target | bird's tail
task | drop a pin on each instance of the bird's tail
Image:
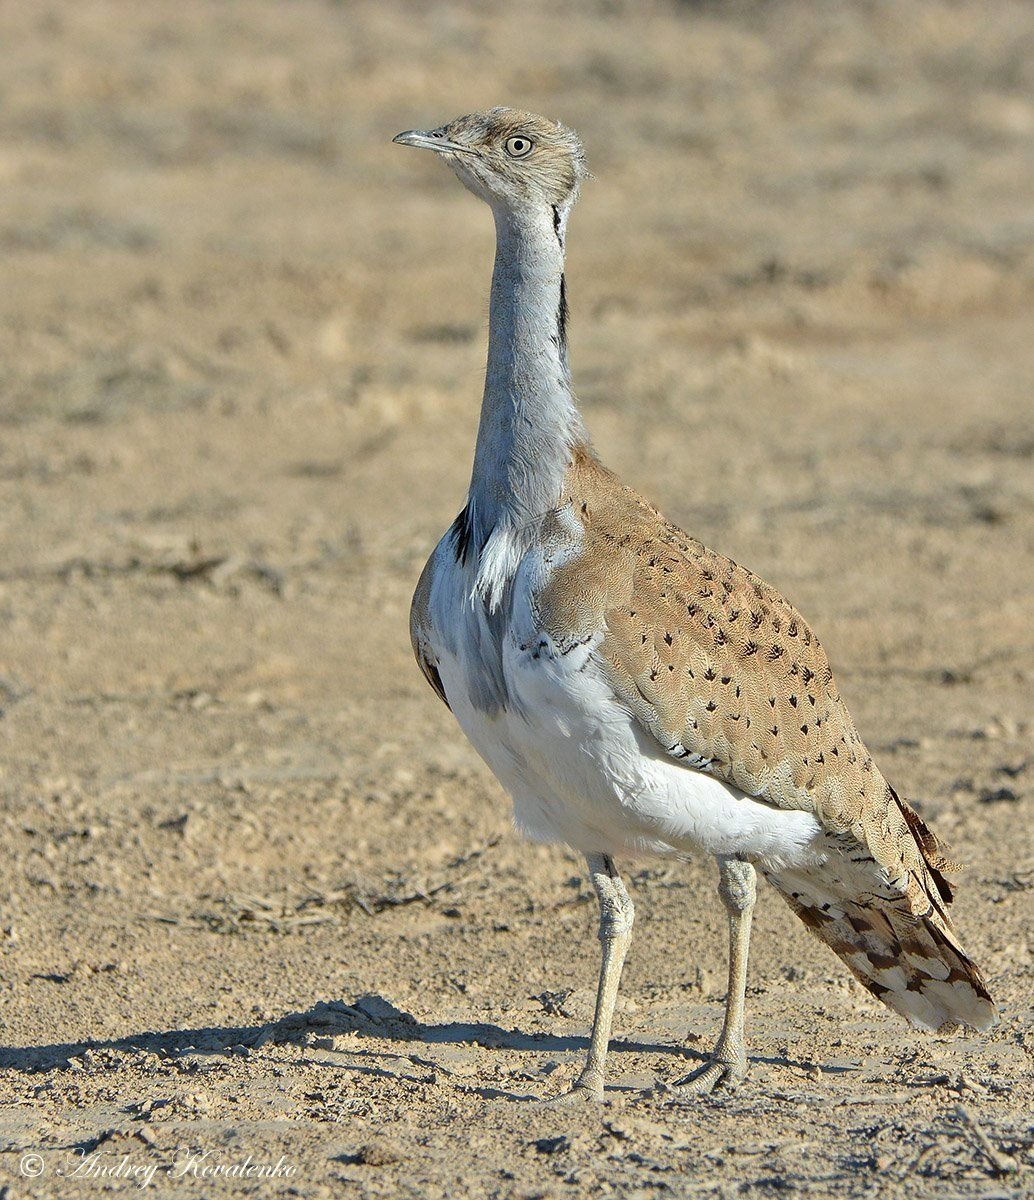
(897, 940)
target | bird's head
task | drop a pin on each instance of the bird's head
(508, 157)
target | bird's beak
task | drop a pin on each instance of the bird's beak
(430, 139)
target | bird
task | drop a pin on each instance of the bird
(637, 693)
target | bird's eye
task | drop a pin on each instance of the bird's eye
(518, 147)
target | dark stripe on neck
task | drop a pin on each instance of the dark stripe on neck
(556, 225)
(463, 534)
(561, 315)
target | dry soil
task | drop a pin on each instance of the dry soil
(259, 898)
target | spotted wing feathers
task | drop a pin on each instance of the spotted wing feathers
(712, 660)
(727, 676)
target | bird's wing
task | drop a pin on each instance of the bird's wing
(725, 674)
(720, 669)
(727, 677)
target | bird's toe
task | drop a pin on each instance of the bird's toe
(712, 1076)
(581, 1092)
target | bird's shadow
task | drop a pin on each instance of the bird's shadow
(369, 1016)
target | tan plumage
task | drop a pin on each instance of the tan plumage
(722, 670)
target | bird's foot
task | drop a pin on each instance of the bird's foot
(584, 1090)
(727, 1073)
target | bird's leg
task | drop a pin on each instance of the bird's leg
(737, 887)
(616, 915)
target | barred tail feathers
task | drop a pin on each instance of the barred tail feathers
(913, 963)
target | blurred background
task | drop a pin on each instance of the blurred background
(241, 353)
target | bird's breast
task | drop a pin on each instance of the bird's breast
(537, 706)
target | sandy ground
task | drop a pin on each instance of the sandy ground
(259, 897)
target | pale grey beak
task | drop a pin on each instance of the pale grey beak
(430, 139)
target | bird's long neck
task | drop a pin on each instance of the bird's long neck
(529, 421)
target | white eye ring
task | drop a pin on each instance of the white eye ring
(519, 146)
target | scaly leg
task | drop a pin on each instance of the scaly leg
(616, 915)
(738, 889)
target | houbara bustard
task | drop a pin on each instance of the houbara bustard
(637, 693)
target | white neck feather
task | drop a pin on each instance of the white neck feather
(529, 421)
